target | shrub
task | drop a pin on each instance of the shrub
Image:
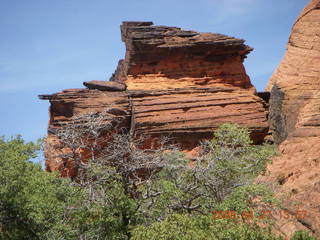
(241, 199)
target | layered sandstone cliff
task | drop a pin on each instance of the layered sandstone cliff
(295, 121)
(176, 83)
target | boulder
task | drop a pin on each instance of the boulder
(105, 86)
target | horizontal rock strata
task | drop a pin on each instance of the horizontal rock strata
(196, 113)
(180, 84)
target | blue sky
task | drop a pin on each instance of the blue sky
(47, 46)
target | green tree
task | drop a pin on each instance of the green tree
(35, 204)
(31, 200)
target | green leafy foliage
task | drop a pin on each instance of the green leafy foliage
(31, 200)
(192, 227)
(241, 199)
(197, 226)
(105, 210)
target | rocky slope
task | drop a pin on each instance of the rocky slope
(175, 82)
(295, 121)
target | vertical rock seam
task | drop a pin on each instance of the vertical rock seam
(276, 119)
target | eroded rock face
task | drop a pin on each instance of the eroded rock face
(295, 121)
(181, 84)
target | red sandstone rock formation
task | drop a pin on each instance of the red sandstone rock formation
(183, 82)
(295, 121)
(179, 83)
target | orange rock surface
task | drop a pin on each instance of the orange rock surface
(294, 175)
